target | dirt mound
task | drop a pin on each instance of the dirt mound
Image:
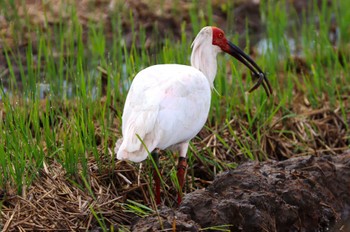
(300, 194)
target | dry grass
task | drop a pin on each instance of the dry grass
(56, 202)
(53, 202)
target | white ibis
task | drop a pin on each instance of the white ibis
(168, 104)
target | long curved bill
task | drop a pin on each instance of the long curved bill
(249, 62)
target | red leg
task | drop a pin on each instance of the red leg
(156, 177)
(181, 169)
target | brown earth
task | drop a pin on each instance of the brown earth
(300, 194)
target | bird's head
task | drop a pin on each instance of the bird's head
(219, 39)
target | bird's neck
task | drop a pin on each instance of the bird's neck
(204, 59)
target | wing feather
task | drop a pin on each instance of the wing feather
(163, 107)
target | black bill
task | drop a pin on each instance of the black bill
(256, 71)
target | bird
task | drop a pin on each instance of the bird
(168, 104)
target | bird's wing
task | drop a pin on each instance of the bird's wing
(183, 110)
(140, 112)
(161, 107)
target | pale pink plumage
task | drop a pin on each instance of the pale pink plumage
(168, 104)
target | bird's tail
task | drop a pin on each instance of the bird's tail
(123, 153)
(136, 135)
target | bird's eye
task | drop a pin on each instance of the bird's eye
(220, 35)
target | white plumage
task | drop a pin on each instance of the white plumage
(168, 104)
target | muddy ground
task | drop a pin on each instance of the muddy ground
(300, 194)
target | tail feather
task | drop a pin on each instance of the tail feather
(138, 127)
(129, 151)
(124, 154)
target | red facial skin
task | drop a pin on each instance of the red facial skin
(220, 40)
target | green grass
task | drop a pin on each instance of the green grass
(65, 126)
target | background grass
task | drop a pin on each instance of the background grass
(56, 107)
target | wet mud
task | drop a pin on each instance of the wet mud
(300, 194)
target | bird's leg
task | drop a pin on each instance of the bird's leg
(181, 169)
(156, 175)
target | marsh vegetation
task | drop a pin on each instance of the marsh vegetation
(65, 68)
